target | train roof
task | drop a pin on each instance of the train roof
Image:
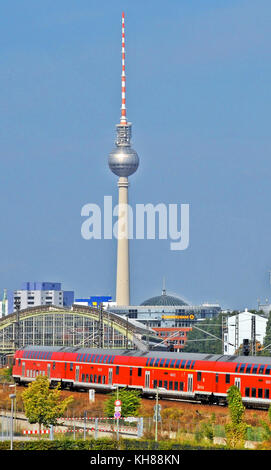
(153, 353)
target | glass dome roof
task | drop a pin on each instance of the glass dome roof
(164, 299)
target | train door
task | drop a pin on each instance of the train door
(110, 376)
(77, 370)
(237, 382)
(23, 369)
(147, 379)
(190, 383)
(48, 371)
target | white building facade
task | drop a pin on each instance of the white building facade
(240, 327)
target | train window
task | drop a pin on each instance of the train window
(19, 362)
(99, 379)
(160, 383)
(101, 358)
(111, 360)
(103, 379)
(117, 370)
(165, 384)
(156, 362)
(248, 369)
(260, 392)
(236, 368)
(192, 365)
(254, 370)
(91, 378)
(54, 365)
(242, 368)
(266, 393)
(253, 392)
(188, 364)
(183, 364)
(95, 378)
(139, 371)
(181, 386)
(155, 384)
(151, 362)
(105, 359)
(261, 368)
(216, 378)
(199, 376)
(247, 391)
(162, 362)
(71, 365)
(167, 363)
(83, 377)
(175, 385)
(147, 362)
(177, 363)
(267, 370)
(227, 378)
(170, 385)
(131, 371)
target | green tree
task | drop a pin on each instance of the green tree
(199, 341)
(267, 338)
(236, 429)
(130, 403)
(42, 405)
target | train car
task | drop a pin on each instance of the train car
(199, 377)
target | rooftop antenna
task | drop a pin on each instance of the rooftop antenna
(164, 286)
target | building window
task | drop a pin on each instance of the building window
(247, 391)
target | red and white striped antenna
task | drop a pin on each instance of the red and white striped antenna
(123, 119)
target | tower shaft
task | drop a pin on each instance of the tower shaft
(123, 265)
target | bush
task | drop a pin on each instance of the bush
(103, 444)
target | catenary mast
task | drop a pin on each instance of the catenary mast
(123, 161)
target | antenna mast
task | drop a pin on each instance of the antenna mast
(123, 119)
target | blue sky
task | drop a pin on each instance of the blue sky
(198, 94)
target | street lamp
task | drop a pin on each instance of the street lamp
(12, 396)
(15, 403)
(157, 410)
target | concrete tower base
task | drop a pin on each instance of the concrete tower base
(123, 268)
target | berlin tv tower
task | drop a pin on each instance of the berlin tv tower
(123, 161)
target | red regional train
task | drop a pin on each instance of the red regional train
(201, 377)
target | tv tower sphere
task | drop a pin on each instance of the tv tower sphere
(123, 160)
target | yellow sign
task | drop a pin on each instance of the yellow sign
(179, 317)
